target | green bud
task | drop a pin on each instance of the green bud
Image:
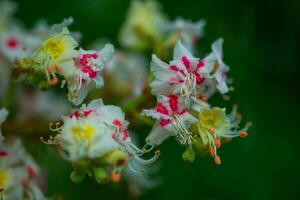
(188, 155)
(101, 175)
(77, 176)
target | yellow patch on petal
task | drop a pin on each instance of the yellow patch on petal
(211, 118)
(54, 46)
(84, 132)
(3, 178)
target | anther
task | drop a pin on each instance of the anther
(115, 177)
(157, 152)
(53, 81)
(243, 133)
(218, 160)
(211, 152)
(212, 130)
(217, 142)
(203, 98)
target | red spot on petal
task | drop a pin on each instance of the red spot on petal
(12, 43)
(31, 172)
(118, 123)
(200, 64)
(84, 60)
(176, 69)
(86, 113)
(173, 103)
(164, 122)
(199, 78)
(88, 70)
(161, 109)
(186, 62)
(114, 135)
(75, 114)
(182, 112)
(126, 135)
(3, 153)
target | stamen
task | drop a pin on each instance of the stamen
(115, 177)
(243, 133)
(203, 98)
(53, 81)
(218, 160)
(211, 152)
(212, 130)
(217, 143)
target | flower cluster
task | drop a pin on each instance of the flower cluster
(183, 87)
(96, 138)
(57, 56)
(147, 27)
(20, 176)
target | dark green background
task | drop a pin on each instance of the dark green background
(261, 43)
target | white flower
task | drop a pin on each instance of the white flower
(87, 74)
(54, 55)
(172, 120)
(16, 44)
(182, 76)
(142, 25)
(187, 31)
(214, 126)
(3, 116)
(93, 131)
(19, 174)
(216, 69)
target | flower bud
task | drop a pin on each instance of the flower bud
(188, 155)
(77, 176)
(100, 175)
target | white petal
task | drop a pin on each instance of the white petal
(161, 88)
(217, 48)
(180, 51)
(95, 104)
(107, 52)
(160, 69)
(158, 135)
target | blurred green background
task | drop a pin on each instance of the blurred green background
(261, 43)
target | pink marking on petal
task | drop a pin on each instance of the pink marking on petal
(31, 172)
(88, 70)
(164, 122)
(182, 112)
(12, 43)
(126, 135)
(186, 62)
(199, 79)
(3, 153)
(173, 103)
(160, 108)
(176, 69)
(200, 64)
(84, 60)
(114, 135)
(75, 114)
(86, 113)
(118, 123)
